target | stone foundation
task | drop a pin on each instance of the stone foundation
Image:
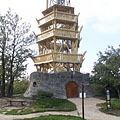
(56, 83)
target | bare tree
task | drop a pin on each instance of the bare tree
(15, 49)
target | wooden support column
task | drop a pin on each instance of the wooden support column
(54, 67)
(39, 48)
(42, 48)
(46, 4)
(54, 24)
(40, 68)
(54, 43)
(37, 67)
(73, 46)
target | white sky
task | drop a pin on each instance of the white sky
(101, 20)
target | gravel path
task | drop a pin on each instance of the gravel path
(91, 111)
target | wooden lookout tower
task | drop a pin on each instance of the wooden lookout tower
(59, 39)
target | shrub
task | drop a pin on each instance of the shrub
(99, 90)
(21, 86)
(42, 93)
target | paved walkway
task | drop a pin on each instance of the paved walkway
(91, 111)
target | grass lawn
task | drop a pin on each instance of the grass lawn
(18, 96)
(54, 117)
(114, 110)
(45, 104)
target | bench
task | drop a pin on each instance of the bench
(22, 102)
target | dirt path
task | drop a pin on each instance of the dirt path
(91, 111)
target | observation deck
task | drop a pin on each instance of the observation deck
(61, 17)
(58, 57)
(58, 33)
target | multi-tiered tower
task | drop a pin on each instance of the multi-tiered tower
(59, 39)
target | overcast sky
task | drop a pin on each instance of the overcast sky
(100, 18)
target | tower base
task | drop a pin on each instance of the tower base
(61, 84)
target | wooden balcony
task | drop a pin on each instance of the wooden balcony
(60, 16)
(58, 33)
(58, 57)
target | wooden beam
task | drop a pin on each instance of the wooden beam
(54, 67)
(54, 43)
(46, 4)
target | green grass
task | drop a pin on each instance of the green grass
(54, 117)
(18, 96)
(1, 112)
(116, 104)
(114, 110)
(45, 104)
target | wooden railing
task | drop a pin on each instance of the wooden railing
(65, 16)
(64, 33)
(45, 35)
(43, 58)
(46, 19)
(57, 15)
(58, 57)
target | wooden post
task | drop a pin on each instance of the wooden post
(46, 4)
(54, 44)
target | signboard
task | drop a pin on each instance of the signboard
(108, 99)
(108, 95)
(80, 95)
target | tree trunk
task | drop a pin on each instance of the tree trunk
(3, 75)
(118, 91)
(3, 86)
(10, 89)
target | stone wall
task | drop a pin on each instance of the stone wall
(56, 83)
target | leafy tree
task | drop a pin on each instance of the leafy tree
(14, 49)
(106, 70)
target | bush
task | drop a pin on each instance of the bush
(99, 90)
(20, 86)
(42, 93)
